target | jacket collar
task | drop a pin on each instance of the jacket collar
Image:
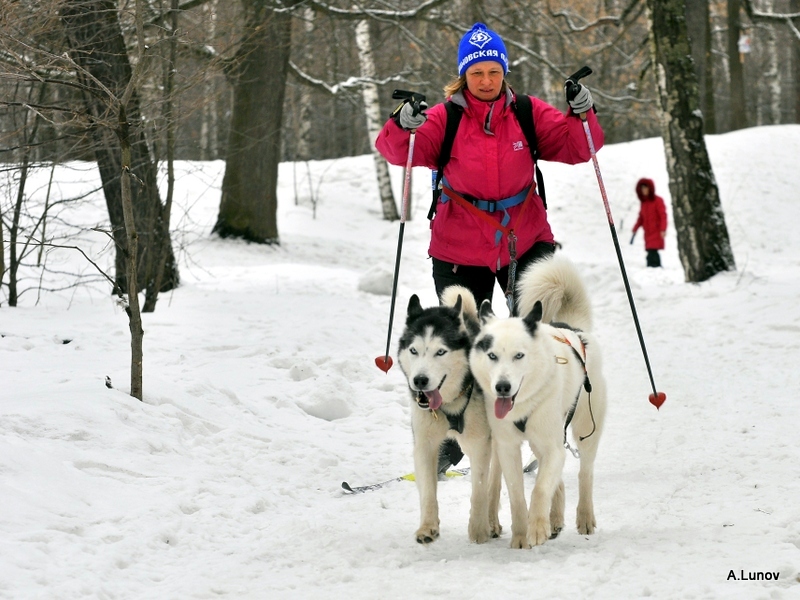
(466, 100)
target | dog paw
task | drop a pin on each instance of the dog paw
(586, 523)
(519, 542)
(539, 532)
(556, 531)
(479, 536)
(479, 530)
(496, 529)
(426, 535)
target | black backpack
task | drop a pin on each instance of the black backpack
(522, 110)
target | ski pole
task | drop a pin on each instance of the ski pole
(656, 398)
(384, 363)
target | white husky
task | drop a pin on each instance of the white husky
(434, 355)
(540, 373)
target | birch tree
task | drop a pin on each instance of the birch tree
(372, 110)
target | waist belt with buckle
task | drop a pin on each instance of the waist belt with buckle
(483, 208)
(489, 206)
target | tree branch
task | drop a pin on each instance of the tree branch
(360, 13)
(345, 86)
(787, 18)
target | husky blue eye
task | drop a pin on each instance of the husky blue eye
(441, 352)
(492, 356)
(412, 351)
(518, 356)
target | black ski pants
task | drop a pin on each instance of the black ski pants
(480, 280)
(653, 258)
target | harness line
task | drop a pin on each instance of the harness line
(586, 385)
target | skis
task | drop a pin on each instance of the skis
(408, 477)
(529, 468)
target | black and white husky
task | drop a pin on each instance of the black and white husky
(434, 356)
(539, 373)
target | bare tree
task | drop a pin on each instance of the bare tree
(372, 108)
(97, 48)
(735, 67)
(698, 24)
(248, 208)
(703, 243)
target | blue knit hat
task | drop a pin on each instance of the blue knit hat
(480, 44)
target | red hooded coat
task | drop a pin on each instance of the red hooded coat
(652, 216)
(490, 160)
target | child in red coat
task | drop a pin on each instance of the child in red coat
(653, 218)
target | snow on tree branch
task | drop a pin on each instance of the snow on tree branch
(350, 84)
(360, 13)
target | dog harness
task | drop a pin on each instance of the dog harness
(587, 385)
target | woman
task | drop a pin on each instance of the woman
(490, 161)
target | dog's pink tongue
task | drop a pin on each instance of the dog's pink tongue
(503, 406)
(434, 399)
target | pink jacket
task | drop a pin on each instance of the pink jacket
(652, 216)
(491, 163)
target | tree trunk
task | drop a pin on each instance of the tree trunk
(2, 249)
(703, 243)
(306, 110)
(169, 124)
(698, 23)
(208, 126)
(96, 45)
(372, 108)
(795, 9)
(736, 67)
(249, 204)
(769, 88)
(134, 314)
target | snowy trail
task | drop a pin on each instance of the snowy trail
(261, 397)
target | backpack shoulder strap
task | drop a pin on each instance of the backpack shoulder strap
(523, 109)
(454, 113)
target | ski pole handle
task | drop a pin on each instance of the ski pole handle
(415, 98)
(572, 83)
(584, 71)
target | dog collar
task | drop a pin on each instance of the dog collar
(457, 421)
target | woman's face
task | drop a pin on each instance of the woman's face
(484, 80)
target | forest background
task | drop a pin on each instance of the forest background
(134, 85)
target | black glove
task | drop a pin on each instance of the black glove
(578, 97)
(411, 114)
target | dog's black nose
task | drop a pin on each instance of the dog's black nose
(421, 382)
(503, 388)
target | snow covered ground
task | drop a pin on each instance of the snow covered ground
(261, 397)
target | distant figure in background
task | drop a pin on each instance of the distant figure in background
(653, 219)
